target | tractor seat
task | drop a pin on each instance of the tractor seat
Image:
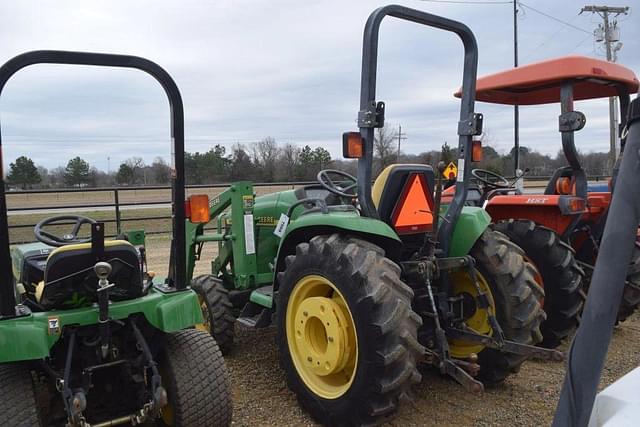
(69, 279)
(403, 195)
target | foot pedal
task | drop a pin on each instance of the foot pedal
(255, 316)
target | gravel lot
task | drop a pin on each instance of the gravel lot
(528, 398)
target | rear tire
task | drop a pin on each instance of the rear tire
(516, 297)
(385, 329)
(631, 296)
(197, 382)
(217, 310)
(562, 277)
(18, 399)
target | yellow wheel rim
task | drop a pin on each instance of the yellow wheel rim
(322, 337)
(206, 324)
(475, 317)
(167, 415)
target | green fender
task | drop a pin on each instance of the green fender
(30, 337)
(471, 224)
(304, 227)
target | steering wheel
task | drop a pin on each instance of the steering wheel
(490, 179)
(71, 238)
(349, 191)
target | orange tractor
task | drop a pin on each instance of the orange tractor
(559, 229)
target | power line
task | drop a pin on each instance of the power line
(608, 33)
(554, 18)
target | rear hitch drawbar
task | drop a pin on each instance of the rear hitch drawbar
(506, 346)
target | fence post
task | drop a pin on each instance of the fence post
(116, 202)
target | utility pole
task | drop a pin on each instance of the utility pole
(401, 136)
(608, 33)
(516, 110)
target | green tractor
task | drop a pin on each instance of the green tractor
(364, 284)
(88, 337)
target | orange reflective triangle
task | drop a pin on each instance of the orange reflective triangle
(413, 212)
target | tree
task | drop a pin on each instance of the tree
(23, 173)
(136, 164)
(384, 147)
(160, 171)
(76, 172)
(447, 155)
(265, 155)
(322, 158)
(204, 168)
(241, 165)
(289, 162)
(125, 174)
(312, 161)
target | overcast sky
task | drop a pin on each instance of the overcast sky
(288, 69)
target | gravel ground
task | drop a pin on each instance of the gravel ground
(529, 398)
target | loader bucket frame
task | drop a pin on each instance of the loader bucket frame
(470, 123)
(177, 266)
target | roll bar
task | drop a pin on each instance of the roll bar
(470, 123)
(177, 268)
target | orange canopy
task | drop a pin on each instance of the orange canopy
(539, 83)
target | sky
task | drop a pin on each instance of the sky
(288, 69)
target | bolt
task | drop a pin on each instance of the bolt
(330, 339)
(309, 359)
(304, 313)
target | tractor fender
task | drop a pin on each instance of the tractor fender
(31, 337)
(305, 227)
(473, 221)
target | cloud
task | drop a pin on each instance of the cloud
(280, 68)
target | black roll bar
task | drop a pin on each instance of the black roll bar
(178, 266)
(467, 127)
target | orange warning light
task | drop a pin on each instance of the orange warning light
(198, 208)
(414, 211)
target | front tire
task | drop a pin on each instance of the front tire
(18, 401)
(369, 361)
(217, 310)
(197, 381)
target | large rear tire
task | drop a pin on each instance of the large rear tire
(18, 399)
(561, 276)
(217, 310)
(197, 382)
(631, 295)
(371, 358)
(513, 296)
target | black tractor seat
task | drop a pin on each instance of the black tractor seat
(388, 188)
(69, 279)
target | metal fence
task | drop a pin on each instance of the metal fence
(114, 200)
(117, 199)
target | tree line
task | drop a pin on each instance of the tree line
(268, 161)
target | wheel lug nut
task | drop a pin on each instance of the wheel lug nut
(330, 339)
(304, 313)
(309, 359)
